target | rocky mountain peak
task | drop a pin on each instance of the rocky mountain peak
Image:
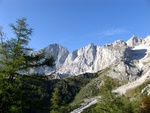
(119, 42)
(147, 39)
(134, 41)
(59, 52)
(92, 58)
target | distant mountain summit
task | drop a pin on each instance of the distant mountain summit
(135, 41)
(123, 59)
(59, 52)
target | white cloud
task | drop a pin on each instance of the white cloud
(113, 31)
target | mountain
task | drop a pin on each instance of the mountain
(60, 54)
(92, 58)
(135, 41)
(95, 73)
(141, 58)
(123, 58)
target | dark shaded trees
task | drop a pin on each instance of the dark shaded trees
(19, 93)
(112, 102)
(55, 100)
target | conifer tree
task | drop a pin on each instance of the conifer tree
(13, 52)
(55, 100)
(19, 95)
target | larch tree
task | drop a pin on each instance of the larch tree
(13, 52)
(20, 93)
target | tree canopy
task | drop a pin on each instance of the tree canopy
(14, 55)
(18, 92)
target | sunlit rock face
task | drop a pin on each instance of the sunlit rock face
(122, 57)
(92, 58)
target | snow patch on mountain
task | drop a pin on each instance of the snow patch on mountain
(141, 53)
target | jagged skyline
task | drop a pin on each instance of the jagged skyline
(76, 23)
(93, 58)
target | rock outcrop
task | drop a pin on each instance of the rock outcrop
(122, 57)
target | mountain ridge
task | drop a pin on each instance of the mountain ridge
(93, 58)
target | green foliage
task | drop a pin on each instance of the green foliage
(25, 95)
(13, 56)
(65, 90)
(7, 98)
(109, 84)
(136, 92)
(31, 94)
(119, 104)
(93, 88)
(141, 87)
(19, 93)
(55, 99)
(113, 103)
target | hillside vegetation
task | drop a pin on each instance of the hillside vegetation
(25, 92)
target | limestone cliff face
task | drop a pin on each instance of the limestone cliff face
(60, 54)
(135, 41)
(93, 58)
(122, 57)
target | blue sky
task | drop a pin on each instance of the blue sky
(76, 23)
